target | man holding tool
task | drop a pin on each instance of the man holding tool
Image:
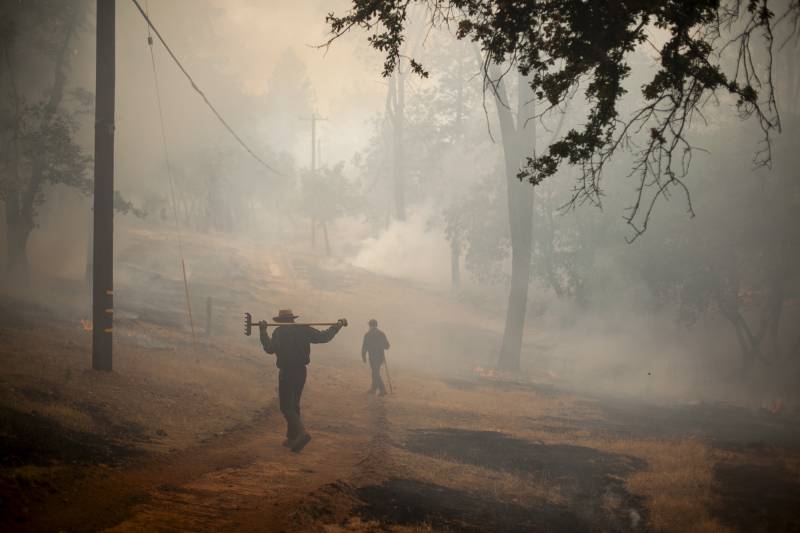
(375, 342)
(291, 343)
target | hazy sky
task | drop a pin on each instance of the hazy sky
(239, 42)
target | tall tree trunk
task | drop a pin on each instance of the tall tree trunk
(17, 266)
(518, 143)
(398, 173)
(455, 243)
(327, 242)
(455, 263)
(16, 239)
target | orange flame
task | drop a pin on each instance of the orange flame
(486, 372)
(775, 406)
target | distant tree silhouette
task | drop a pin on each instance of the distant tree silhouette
(38, 136)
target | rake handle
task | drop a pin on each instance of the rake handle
(248, 323)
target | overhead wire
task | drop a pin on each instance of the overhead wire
(171, 180)
(201, 93)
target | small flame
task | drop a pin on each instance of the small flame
(490, 373)
(86, 325)
(775, 406)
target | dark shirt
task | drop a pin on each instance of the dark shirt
(375, 342)
(292, 344)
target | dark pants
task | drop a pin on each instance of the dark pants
(377, 383)
(290, 388)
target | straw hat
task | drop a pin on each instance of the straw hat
(285, 315)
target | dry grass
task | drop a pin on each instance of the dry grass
(677, 483)
(163, 391)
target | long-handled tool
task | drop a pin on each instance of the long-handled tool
(388, 377)
(248, 323)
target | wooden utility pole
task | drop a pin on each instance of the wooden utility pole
(103, 248)
(314, 146)
(314, 119)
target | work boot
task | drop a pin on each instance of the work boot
(300, 442)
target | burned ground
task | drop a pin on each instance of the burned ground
(33, 439)
(757, 498)
(592, 482)
(411, 502)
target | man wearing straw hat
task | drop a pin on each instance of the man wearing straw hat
(293, 350)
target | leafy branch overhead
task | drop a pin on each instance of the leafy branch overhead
(565, 46)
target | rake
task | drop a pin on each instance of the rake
(248, 323)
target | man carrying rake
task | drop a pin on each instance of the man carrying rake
(291, 344)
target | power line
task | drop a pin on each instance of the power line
(171, 187)
(201, 93)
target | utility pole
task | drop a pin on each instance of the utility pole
(314, 119)
(103, 247)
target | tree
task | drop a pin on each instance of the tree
(743, 263)
(449, 107)
(40, 134)
(567, 46)
(519, 137)
(478, 222)
(326, 195)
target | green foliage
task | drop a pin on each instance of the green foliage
(40, 134)
(567, 46)
(124, 207)
(51, 146)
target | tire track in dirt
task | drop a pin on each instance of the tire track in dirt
(375, 465)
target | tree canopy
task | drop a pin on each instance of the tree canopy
(565, 47)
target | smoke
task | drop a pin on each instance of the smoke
(604, 333)
(412, 250)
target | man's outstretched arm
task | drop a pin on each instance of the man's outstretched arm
(316, 336)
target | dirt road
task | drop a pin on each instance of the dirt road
(243, 480)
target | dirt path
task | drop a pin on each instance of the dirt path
(243, 480)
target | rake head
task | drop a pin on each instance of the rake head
(248, 324)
